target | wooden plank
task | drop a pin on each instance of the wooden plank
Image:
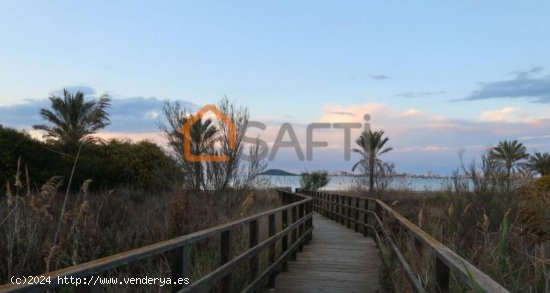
(256, 283)
(447, 259)
(179, 265)
(336, 260)
(284, 224)
(253, 241)
(229, 266)
(271, 228)
(225, 256)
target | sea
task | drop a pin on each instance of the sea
(350, 182)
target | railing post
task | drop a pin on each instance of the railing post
(179, 265)
(325, 205)
(371, 220)
(253, 241)
(322, 204)
(349, 211)
(356, 226)
(301, 227)
(328, 206)
(309, 222)
(313, 195)
(337, 212)
(441, 274)
(317, 202)
(271, 221)
(281, 195)
(284, 225)
(332, 207)
(225, 256)
(366, 217)
(342, 209)
(339, 208)
(294, 216)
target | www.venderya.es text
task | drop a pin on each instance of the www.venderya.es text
(99, 280)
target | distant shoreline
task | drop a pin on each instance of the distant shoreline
(279, 172)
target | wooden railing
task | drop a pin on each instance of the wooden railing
(295, 230)
(398, 237)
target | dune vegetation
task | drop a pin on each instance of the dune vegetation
(494, 213)
(72, 197)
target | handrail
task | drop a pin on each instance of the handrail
(372, 217)
(296, 222)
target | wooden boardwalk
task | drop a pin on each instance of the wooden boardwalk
(336, 260)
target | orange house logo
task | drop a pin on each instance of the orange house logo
(186, 131)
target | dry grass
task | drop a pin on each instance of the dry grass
(98, 225)
(505, 234)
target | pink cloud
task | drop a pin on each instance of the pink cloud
(155, 137)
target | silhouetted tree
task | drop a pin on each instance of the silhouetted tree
(510, 154)
(371, 147)
(540, 163)
(71, 120)
(203, 135)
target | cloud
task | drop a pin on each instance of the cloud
(127, 114)
(506, 114)
(526, 85)
(23, 115)
(527, 73)
(417, 134)
(86, 90)
(538, 137)
(156, 137)
(342, 113)
(427, 148)
(420, 94)
(138, 114)
(379, 76)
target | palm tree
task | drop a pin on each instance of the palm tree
(203, 135)
(72, 120)
(371, 147)
(540, 162)
(510, 154)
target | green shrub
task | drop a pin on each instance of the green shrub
(314, 180)
(16, 145)
(138, 166)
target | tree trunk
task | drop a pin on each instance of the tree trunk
(371, 175)
(198, 176)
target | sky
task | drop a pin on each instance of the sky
(437, 76)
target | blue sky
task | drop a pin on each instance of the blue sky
(480, 69)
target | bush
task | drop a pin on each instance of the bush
(17, 146)
(542, 184)
(138, 166)
(314, 180)
(533, 213)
